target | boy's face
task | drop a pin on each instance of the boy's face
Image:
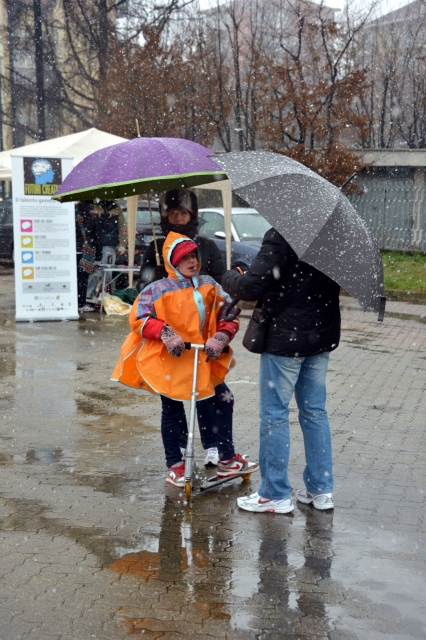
(188, 266)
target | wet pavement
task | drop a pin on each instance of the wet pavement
(94, 544)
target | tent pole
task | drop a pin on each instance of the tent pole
(227, 211)
(157, 255)
(132, 212)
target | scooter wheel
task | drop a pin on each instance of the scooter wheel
(246, 477)
(188, 490)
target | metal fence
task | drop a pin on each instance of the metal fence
(393, 205)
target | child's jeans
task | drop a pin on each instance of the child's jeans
(214, 420)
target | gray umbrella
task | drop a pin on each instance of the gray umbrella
(315, 218)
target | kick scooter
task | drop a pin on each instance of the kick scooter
(206, 483)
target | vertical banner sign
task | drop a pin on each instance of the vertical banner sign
(44, 241)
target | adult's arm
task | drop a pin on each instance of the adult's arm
(274, 257)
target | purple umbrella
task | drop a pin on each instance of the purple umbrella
(138, 166)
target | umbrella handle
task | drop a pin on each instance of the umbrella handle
(231, 315)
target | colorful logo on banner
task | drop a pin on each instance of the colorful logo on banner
(27, 273)
(42, 176)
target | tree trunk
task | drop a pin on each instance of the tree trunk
(38, 48)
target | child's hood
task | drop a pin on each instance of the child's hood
(170, 243)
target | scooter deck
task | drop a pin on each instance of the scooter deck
(209, 483)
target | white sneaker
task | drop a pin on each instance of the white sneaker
(212, 457)
(261, 505)
(321, 501)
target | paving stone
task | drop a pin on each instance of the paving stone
(93, 543)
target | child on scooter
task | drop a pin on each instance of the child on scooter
(184, 307)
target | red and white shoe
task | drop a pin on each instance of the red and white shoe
(176, 475)
(236, 466)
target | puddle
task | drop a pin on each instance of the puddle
(126, 486)
(6, 459)
(44, 456)
(7, 360)
(92, 402)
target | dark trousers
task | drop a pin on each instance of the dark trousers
(214, 420)
(82, 278)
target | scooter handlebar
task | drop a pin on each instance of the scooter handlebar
(190, 345)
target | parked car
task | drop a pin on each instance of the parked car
(143, 224)
(248, 228)
(6, 230)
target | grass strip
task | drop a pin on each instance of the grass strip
(404, 272)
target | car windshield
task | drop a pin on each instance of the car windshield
(250, 226)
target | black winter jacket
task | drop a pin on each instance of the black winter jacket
(211, 262)
(302, 302)
(89, 225)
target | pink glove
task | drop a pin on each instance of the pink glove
(173, 343)
(216, 344)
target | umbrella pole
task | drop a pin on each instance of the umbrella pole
(157, 255)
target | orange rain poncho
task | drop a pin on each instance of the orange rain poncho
(193, 308)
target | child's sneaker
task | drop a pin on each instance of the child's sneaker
(236, 466)
(87, 308)
(212, 457)
(262, 505)
(176, 475)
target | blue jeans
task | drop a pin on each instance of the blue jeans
(214, 415)
(280, 377)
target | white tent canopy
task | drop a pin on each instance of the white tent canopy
(82, 144)
(76, 145)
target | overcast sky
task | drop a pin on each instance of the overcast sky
(386, 5)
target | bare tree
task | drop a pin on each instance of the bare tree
(391, 48)
(79, 40)
(310, 109)
(213, 64)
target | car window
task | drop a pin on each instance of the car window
(210, 223)
(145, 219)
(250, 225)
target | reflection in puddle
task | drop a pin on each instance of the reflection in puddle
(46, 456)
(144, 564)
(182, 563)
